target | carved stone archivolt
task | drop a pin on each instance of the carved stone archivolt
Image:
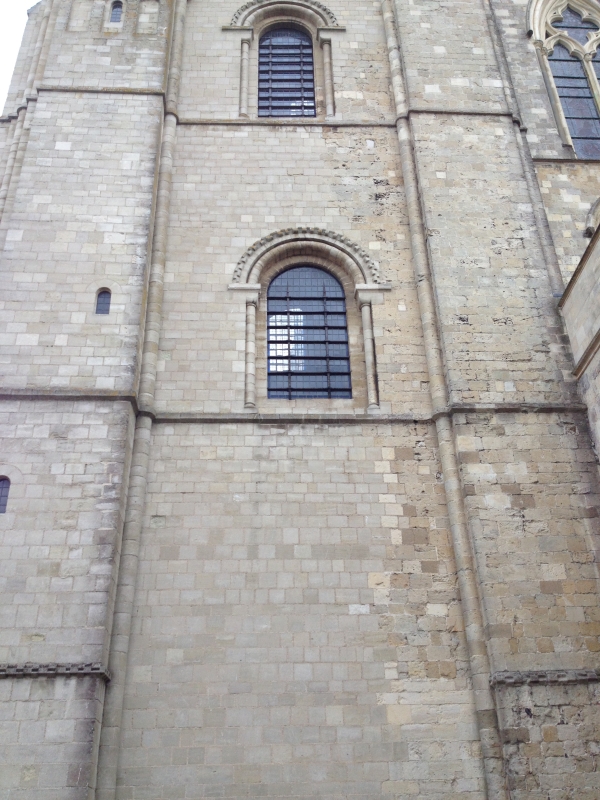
(368, 268)
(242, 14)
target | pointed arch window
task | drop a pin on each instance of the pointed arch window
(577, 100)
(308, 351)
(571, 68)
(4, 492)
(286, 80)
(575, 26)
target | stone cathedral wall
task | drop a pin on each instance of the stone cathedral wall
(80, 222)
(568, 189)
(298, 629)
(346, 181)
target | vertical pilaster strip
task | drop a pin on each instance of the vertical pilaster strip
(110, 740)
(47, 41)
(328, 69)
(15, 172)
(470, 602)
(47, 8)
(25, 113)
(158, 263)
(12, 157)
(6, 150)
(244, 77)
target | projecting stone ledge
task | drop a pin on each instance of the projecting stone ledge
(53, 670)
(560, 676)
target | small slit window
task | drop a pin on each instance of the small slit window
(308, 351)
(103, 302)
(116, 12)
(286, 79)
(4, 491)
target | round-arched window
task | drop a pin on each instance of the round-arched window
(103, 302)
(116, 12)
(4, 492)
(308, 355)
(286, 74)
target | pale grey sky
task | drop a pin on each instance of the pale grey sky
(14, 17)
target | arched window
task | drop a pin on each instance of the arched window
(116, 12)
(307, 336)
(286, 80)
(574, 25)
(103, 302)
(4, 490)
(575, 78)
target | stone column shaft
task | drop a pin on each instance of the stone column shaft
(110, 741)
(470, 601)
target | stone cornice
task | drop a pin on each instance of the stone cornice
(54, 671)
(164, 416)
(544, 677)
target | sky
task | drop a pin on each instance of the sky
(14, 18)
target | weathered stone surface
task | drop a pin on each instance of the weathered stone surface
(297, 625)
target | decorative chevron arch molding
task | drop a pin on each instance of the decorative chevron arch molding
(365, 269)
(242, 14)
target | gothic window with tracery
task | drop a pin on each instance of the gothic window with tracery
(4, 491)
(575, 26)
(286, 79)
(574, 83)
(578, 102)
(308, 355)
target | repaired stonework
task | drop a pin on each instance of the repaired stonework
(390, 596)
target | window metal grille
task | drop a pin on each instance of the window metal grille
(4, 490)
(574, 25)
(103, 302)
(116, 12)
(579, 106)
(308, 351)
(286, 75)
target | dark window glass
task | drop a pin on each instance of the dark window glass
(577, 101)
(307, 336)
(574, 25)
(4, 490)
(103, 302)
(286, 76)
(116, 12)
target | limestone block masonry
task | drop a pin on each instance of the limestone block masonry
(207, 593)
